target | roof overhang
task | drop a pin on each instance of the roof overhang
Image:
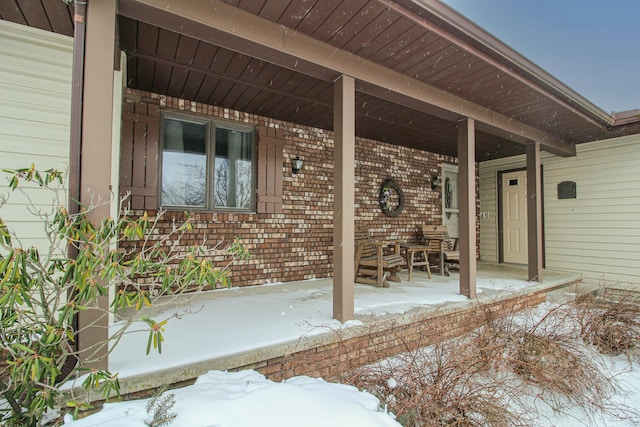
(419, 67)
(227, 26)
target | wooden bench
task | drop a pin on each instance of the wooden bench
(375, 259)
(437, 239)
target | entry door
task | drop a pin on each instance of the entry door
(450, 207)
(514, 216)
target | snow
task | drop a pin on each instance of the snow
(627, 394)
(227, 322)
(248, 399)
(242, 319)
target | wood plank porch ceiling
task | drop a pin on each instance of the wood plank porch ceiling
(165, 62)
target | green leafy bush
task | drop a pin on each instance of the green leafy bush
(43, 293)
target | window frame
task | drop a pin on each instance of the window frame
(211, 123)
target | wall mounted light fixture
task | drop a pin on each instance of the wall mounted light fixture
(296, 164)
(435, 181)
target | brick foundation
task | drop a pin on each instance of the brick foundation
(380, 341)
(343, 350)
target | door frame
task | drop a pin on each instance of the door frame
(452, 168)
(501, 207)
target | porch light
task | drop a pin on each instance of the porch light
(296, 164)
(435, 181)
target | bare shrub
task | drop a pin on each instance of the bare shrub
(445, 384)
(489, 340)
(542, 348)
(558, 368)
(611, 322)
(499, 374)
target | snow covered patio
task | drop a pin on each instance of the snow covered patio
(252, 327)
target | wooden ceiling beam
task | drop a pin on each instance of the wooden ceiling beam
(224, 77)
(227, 26)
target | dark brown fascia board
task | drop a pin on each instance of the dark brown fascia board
(460, 30)
(223, 25)
(626, 117)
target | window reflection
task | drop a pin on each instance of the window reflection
(204, 169)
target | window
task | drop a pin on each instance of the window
(207, 164)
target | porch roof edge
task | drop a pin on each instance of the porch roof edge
(246, 33)
(501, 52)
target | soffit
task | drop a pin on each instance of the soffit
(48, 15)
(378, 30)
(165, 62)
(407, 37)
(382, 34)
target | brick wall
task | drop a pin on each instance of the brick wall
(297, 243)
(376, 343)
(412, 170)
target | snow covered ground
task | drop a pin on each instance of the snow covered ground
(237, 320)
(247, 399)
(229, 322)
(233, 321)
(627, 393)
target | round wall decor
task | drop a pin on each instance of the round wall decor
(391, 198)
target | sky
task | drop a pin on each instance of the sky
(592, 46)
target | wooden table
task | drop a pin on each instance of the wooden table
(410, 252)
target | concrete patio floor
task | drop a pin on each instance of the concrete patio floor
(233, 328)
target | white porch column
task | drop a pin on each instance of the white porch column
(467, 201)
(95, 164)
(344, 195)
(534, 212)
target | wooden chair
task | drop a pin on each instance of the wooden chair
(375, 259)
(442, 247)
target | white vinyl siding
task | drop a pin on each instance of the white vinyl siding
(488, 175)
(35, 101)
(596, 234)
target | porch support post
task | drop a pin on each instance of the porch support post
(95, 160)
(534, 212)
(467, 203)
(343, 204)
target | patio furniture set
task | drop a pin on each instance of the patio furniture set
(379, 261)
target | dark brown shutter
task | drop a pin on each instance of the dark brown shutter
(269, 192)
(139, 154)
